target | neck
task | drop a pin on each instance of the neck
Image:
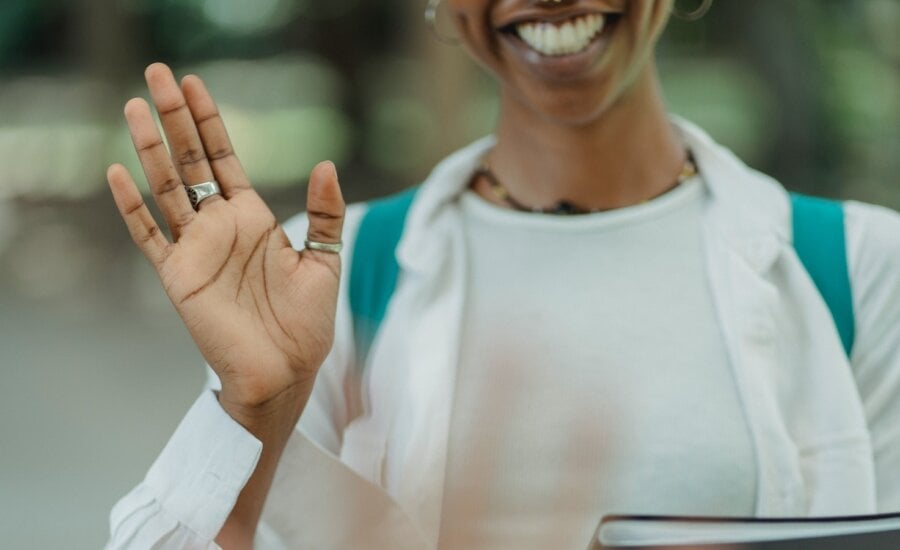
(628, 155)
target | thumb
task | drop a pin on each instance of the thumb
(325, 205)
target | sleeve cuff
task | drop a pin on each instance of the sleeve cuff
(204, 467)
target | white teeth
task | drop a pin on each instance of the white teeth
(568, 38)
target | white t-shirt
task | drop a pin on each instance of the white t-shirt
(610, 391)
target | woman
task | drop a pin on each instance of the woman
(665, 351)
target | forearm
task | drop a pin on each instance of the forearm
(272, 423)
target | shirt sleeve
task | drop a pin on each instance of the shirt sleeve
(192, 487)
(873, 235)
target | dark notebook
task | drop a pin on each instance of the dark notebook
(875, 532)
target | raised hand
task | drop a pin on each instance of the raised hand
(261, 312)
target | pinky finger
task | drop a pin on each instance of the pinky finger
(143, 228)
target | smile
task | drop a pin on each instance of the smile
(561, 36)
(560, 47)
(565, 38)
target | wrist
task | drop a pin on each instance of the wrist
(271, 417)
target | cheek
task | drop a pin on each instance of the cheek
(647, 20)
(470, 20)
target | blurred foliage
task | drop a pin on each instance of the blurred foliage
(807, 90)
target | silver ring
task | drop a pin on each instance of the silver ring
(324, 247)
(202, 191)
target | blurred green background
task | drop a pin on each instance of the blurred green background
(96, 370)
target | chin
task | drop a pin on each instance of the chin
(573, 106)
(574, 115)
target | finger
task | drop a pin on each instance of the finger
(143, 228)
(225, 164)
(188, 152)
(165, 183)
(325, 205)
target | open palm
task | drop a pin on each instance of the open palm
(261, 312)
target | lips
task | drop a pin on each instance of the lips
(557, 32)
(558, 44)
(565, 38)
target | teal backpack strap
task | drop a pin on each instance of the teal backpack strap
(820, 241)
(374, 269)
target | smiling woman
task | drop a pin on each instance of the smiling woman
(595, 310)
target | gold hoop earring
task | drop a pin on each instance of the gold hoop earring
(431, 17)
(698, 13)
